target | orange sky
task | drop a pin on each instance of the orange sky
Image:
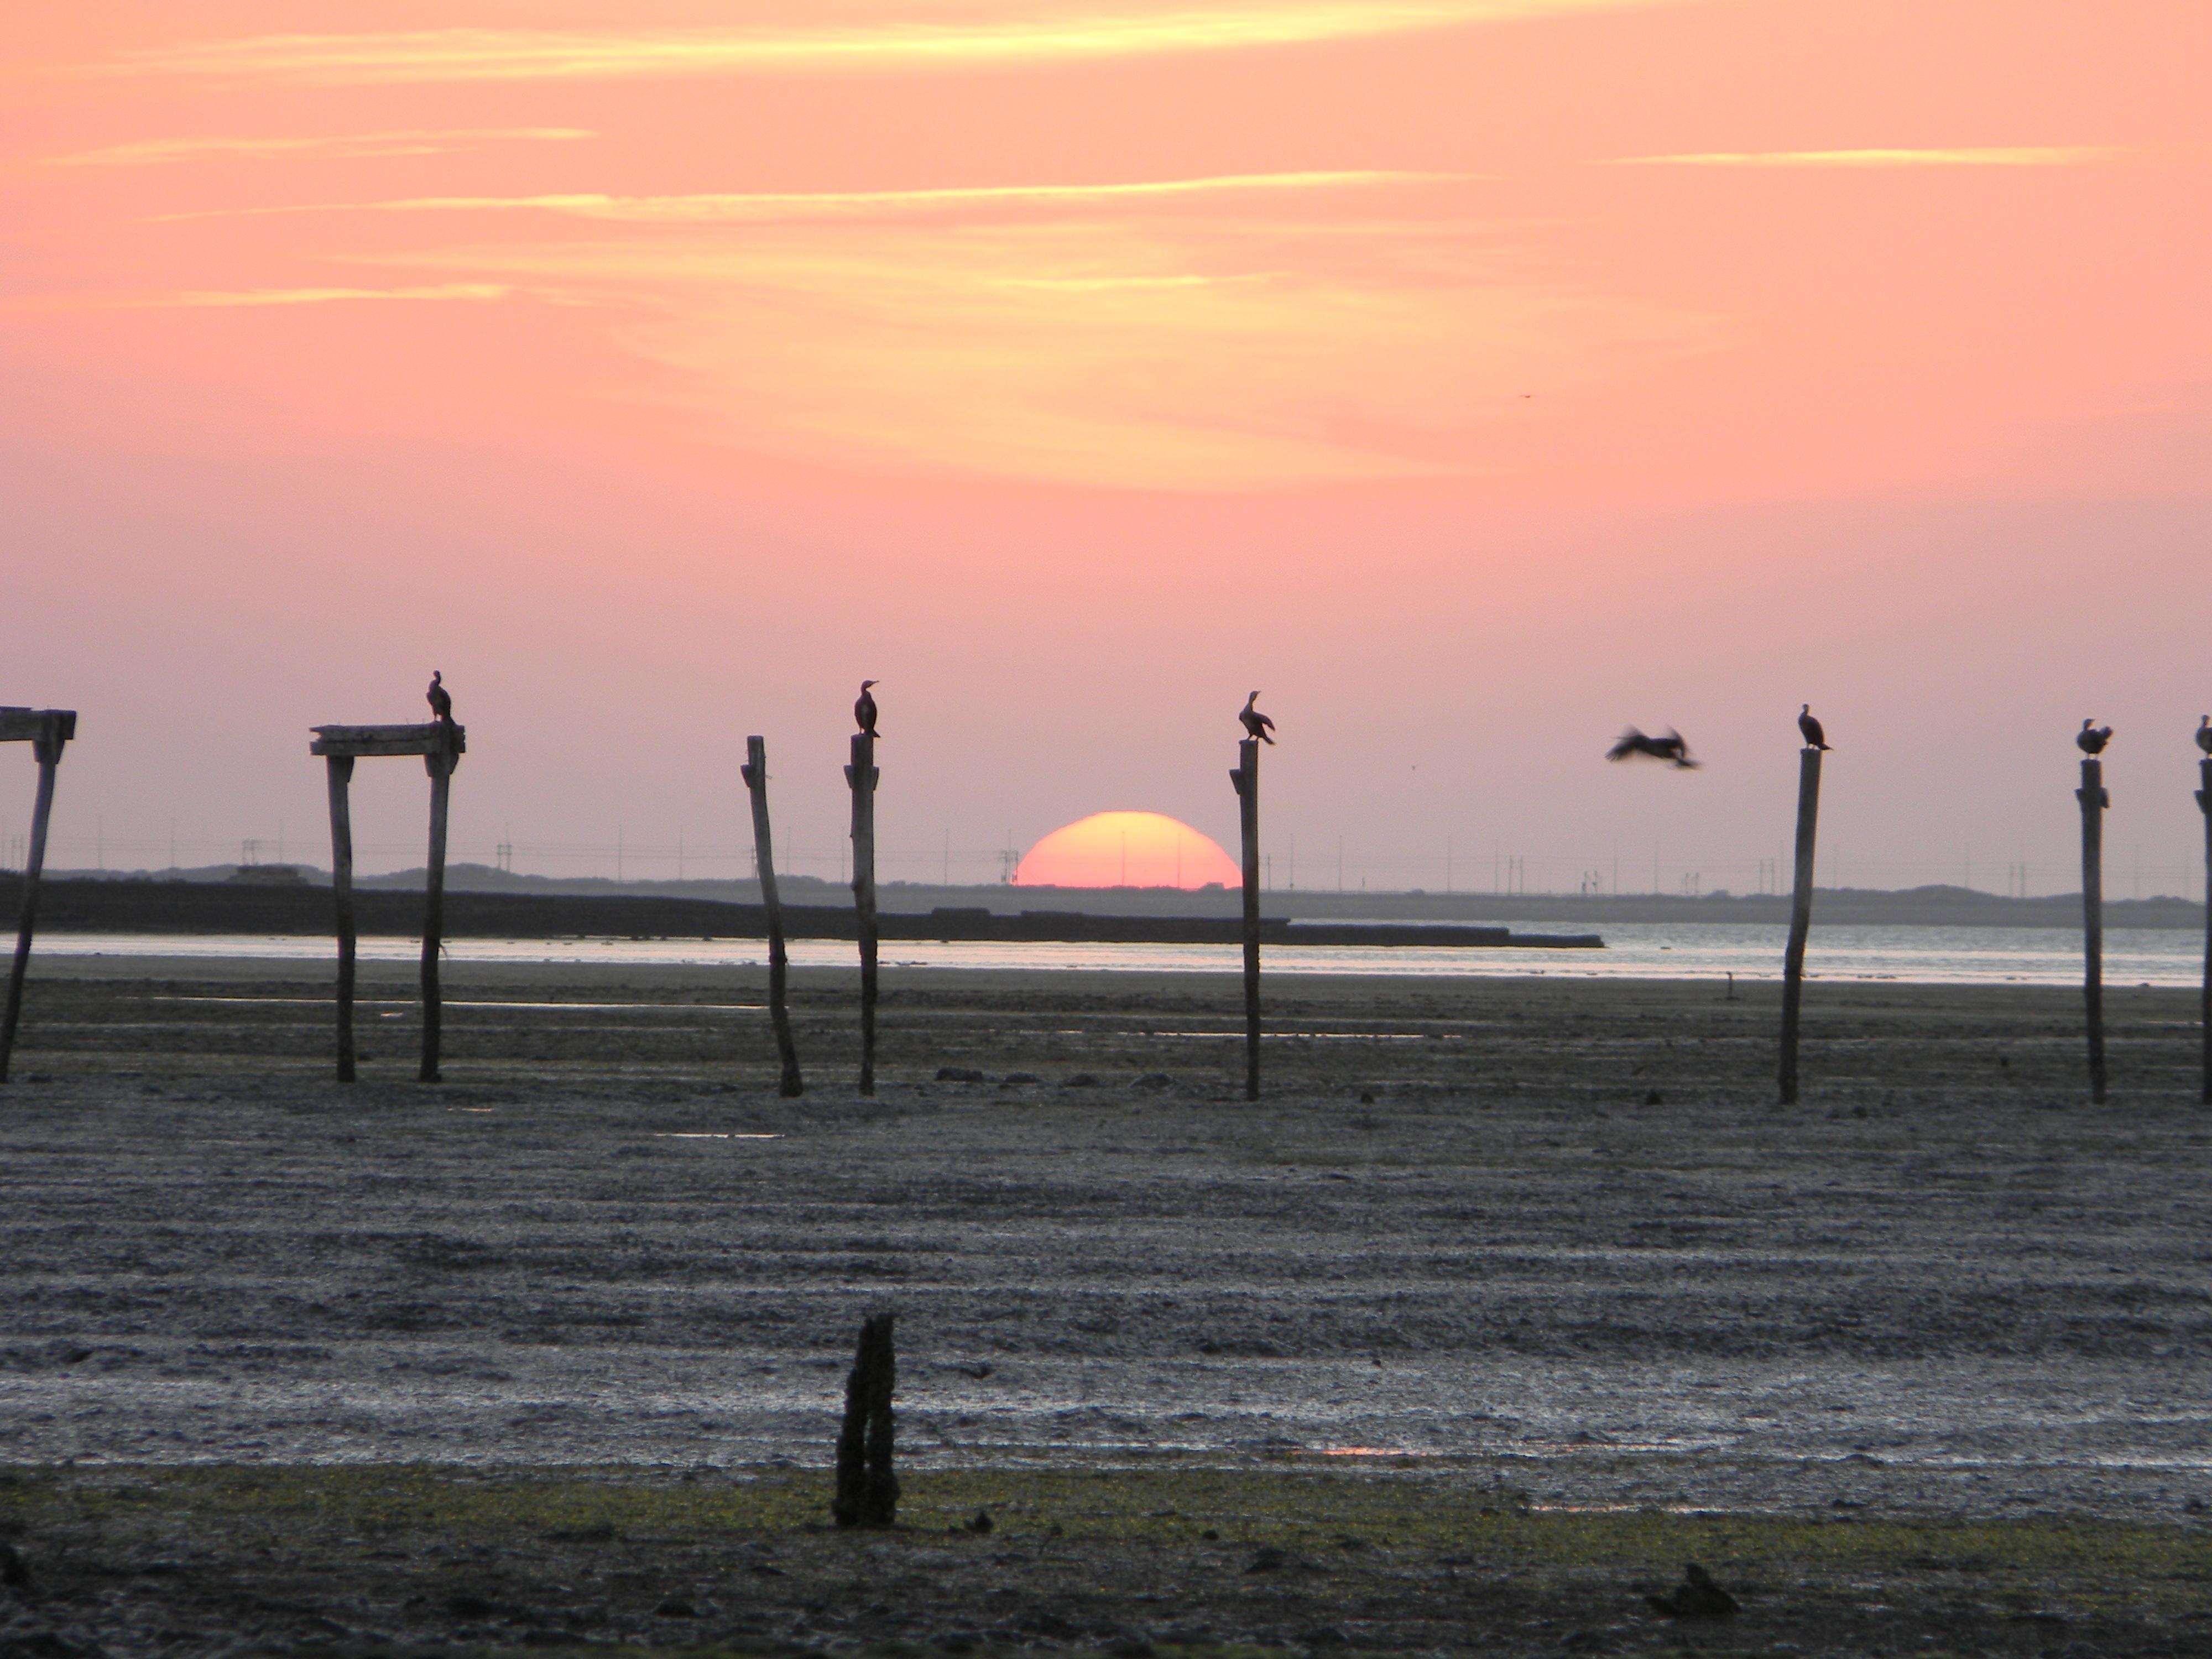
(1474, 375)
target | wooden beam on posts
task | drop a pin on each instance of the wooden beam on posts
(863, 776)
(1246, 778)
(2204, 995)
(1801, 915)
(339, 771)
(439, 764)
(2094, 801)
(48, 731)
(778, 1012)
(441, 743)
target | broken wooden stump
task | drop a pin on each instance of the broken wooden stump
(868, 1486)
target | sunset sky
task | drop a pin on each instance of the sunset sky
(1474, 377)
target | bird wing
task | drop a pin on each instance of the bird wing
(1631, 741)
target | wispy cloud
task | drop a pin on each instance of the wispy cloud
(1179, 353)
(317, 296)
(339, 146)
(495, 54)
(2048, 155)
(753, 207)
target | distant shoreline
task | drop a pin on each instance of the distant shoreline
(201, 901)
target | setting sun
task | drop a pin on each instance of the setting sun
(1126, 849)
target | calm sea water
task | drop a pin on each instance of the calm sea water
(1986, 956)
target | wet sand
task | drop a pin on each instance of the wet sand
(1547, 1244)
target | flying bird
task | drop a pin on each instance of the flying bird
(2204, 732)
(2091, 738)
(1256, 725)
(1811, 727)
(439, 699)
(864, 709)
(1672, 747)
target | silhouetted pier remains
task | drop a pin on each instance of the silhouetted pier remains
(863, 774)
(2094, 800)
(48, 731)
(1246, 778)
(440, 744)
(1801, 913)
(779, 1007)
(867, 1484)
(2204, 996)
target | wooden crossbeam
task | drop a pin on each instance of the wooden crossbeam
(37, 724)
(431, 737)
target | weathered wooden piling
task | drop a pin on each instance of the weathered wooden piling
(1246, 778)
(778, 1012)
(338, 770)
(2204, 995)
(863, 774)
(1801, 915)
(440, 744)
(2094, 801)
(867, 1484)
(48, 731)
(439, 763)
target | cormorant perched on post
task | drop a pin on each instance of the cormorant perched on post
(439, 699)
(1810, 726)
(2204, 732)
(1672, 747)
(864, 709)
(2091, 738)
(1256, 725)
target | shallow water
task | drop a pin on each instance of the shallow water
(1751, 951)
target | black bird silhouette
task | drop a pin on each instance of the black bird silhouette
(439, 699)
(2091, 738)
(1256, 725)
(1696, 1597)
(2204, 732)
(864, 709)
(1672, 747)
(1810, 726)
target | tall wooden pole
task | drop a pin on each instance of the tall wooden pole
(439, 765)
(1246, 778)
(2094, 801)
(48, 751)
(756, 774)
(1800, 915)
(338, 768)
(2204, 996)
(862, 775)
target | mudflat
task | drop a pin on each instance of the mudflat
(1510, 1297)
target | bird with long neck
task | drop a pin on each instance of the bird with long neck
(1810, 726)
(2092, 738)
(1256, 725)
(439, 699)
(864, 708)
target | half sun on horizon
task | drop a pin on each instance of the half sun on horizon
(1128, 849)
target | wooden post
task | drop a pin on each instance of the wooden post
(2204, 996)
(1246, 778)
(756, 774)
(2094, 801)
(339, 771)
(862, 775)
(55, 728)
(1800, 915)
(439, 763)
